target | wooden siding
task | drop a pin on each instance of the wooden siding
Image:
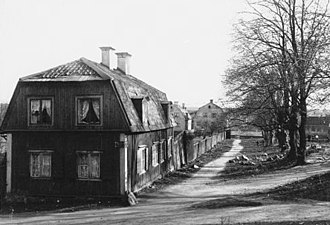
(64, 94)
(138, 181)
(64, 181)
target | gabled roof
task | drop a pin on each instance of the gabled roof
(211, 104)
(126, 86)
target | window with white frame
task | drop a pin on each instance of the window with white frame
(155, 154)
(40, 163)
(40, 111)
(162, 150)
(88, 164)
(169, 146)
(89, 110)
(142, 159)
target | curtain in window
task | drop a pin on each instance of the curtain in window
(88, 165)
(96, 107)
(35, 165)
(35, 113)
(95, 165)
(83, 107)
(89, 110)
(45, 165)
(46, 111)
(40, 164)
(82, 165)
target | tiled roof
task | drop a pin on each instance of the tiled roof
(76, 70)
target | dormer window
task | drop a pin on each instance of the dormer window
(40, 111)
(89, 110)
(165, 106)
(137, 102)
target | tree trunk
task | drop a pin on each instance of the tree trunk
(281, 138)
(294, 137)
(293, 145)
(301, 157)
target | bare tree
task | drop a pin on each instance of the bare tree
(282, 56)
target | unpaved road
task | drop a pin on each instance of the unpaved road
(173, 205)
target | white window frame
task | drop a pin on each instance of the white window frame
(89, 153)
(155, 154)
(169, 146)
(40, 154)
(142, 154)
(162, 150)
(77, 98)
(40, 98)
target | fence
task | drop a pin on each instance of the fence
(186, 149)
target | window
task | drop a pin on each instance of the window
(40, 111)
(214, 115)
(169, 147)
(142, 159)
(88, 165)
(162, 151)
(40, 164)
(165, 109)
(155, 154)
(138, 105)
(205, 115)
(89, 110)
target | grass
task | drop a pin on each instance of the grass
(315, 188)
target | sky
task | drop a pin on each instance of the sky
(181, 47)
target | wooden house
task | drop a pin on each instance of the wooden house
(84, 129)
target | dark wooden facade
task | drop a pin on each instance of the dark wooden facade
(64, 138)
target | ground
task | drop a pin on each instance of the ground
(267, 194)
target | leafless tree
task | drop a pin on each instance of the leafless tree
(282, 52)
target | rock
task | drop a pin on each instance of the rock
(245, 158)
(195, 166)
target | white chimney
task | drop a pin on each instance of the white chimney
(123, 62)
(106, 55)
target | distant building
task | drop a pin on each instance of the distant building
(181, 117)
(208, 118)
(317, 127)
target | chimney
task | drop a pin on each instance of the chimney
(106, 56)
(211, 100)
(176, 103)
(123, 61)
(183, 106)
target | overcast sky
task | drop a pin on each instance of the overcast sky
(181, 47)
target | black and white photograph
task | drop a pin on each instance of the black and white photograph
(165, 112)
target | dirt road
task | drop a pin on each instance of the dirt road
(202, 199)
